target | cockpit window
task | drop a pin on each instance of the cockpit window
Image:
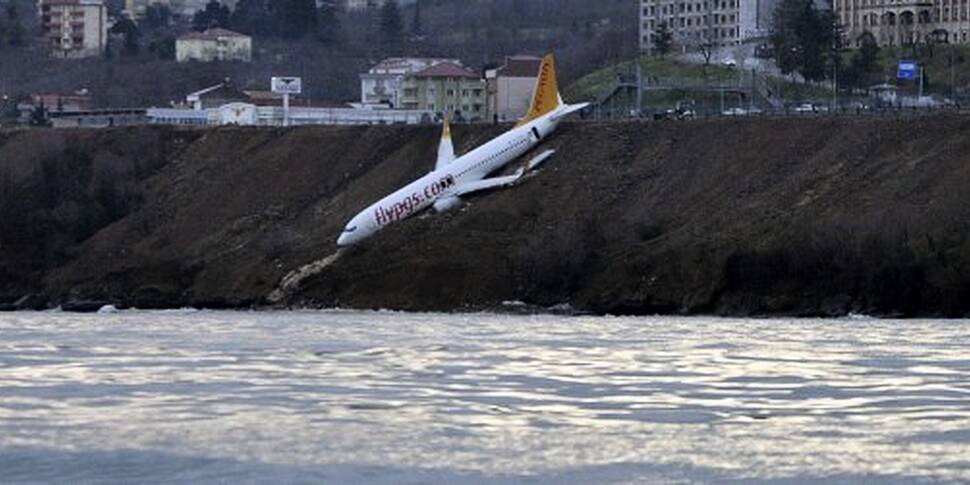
(350, 229)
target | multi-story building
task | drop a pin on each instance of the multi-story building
(510, 87)
(707, 24)
(214, 45)
(362, 4)
(382, 84)
(183, 9)
(901, 22)
(74, 28)
(446, 89)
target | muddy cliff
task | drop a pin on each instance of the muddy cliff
(820, 216)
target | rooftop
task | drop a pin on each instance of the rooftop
(520, 66)
(446, 69)
(211, 34)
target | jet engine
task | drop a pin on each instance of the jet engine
(446, 203)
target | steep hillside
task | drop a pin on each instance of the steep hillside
(778, 216)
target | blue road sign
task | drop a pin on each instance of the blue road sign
(906, 70)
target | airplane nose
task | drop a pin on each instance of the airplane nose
(343, 240)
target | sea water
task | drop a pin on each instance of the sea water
(383, 397)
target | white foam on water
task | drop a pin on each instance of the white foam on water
(291, 282)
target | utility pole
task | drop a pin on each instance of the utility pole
(286, 109)
(920, 83)
(639, 88)
(952, 85)
(835, 85)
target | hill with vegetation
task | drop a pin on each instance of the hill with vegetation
(813, 216)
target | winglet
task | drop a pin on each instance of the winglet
(446, 149)
(545, 96)
(446, 130)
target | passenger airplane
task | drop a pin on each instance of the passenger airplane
(455, 177)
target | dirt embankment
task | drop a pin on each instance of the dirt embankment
(776, 216)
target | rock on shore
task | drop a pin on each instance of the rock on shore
(819, 216)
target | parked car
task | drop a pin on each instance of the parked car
(738, 111)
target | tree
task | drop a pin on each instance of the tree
(253, 17)
(803, 39)
(938, 36)
(163, 48)
(38, 117)
(129, 30)
(416, 29)
(328, 24)
(214, 15)
(663, 39)
(391, 24)
(865, 62)
(296, 18)
(12, 31)
(157, 15)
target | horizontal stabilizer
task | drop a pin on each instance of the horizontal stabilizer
(568, 110)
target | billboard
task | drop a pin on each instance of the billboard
(287, 85)
(906, 70)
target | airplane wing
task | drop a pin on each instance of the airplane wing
(446, 149)
(495, 182)
(489, 183)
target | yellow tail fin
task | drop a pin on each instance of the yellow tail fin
(545, 97)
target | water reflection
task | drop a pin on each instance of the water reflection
(375, 395)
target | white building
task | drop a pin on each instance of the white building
(74, 28)
(383, 84)
(214, 45)
(510, 87)
(184, 9)
(706, 23)
(362, 4)
(904, 22)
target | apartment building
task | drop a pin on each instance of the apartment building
(446, 89)
(382, 84)
(214, 45)
(183, 9)
(707, 23)
(74, 28)
(362, 4)
(902, 22)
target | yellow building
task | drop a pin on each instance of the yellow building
(446, 89)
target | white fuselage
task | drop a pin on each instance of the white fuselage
(438, 184)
